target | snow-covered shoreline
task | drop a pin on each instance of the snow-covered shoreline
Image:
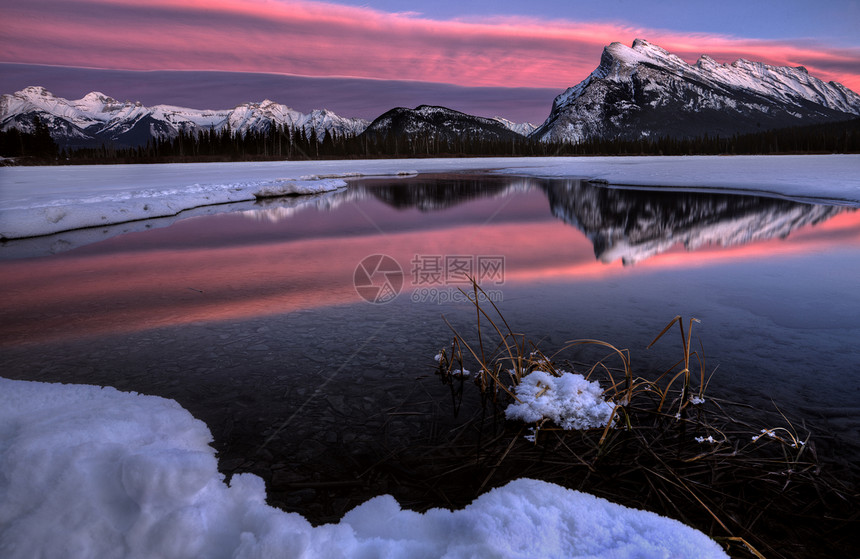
(37, 201)
(66, 214)
(95, 472)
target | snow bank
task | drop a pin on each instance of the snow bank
(65, 214)
(94, 472)
(803, 178)
(568, 400)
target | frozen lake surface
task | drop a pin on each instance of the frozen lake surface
(248, 314)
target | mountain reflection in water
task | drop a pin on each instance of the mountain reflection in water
(288, 254)
(630, 225)
(634, 225)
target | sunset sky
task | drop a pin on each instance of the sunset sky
(360, 58)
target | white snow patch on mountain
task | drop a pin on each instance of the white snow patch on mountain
(522, 128)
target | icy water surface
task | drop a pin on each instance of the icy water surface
(303, 330)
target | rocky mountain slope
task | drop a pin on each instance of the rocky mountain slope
(439, 124)
(644, 91)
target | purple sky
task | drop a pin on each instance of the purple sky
(353, 97)
(360, 58)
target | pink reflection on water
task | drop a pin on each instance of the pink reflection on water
(70, 297)
(839, 231)
(98, 294)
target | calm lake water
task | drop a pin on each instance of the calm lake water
(251, 318)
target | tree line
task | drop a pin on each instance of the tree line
(283, 143)
(36, 145)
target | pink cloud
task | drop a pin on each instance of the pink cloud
(326, 39)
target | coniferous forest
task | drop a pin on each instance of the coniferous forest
(279, 143)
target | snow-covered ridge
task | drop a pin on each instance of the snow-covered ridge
(522, 128)
(787, 84)
(99, 116)
(643, 90)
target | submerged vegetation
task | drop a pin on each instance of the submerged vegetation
(280, 143)
(667, 446)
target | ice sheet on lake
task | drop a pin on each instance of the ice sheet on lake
(45, 200)
(803, 178)
(95, 472)
(21, 219)
(262, 209)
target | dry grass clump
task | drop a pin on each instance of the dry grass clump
(748, 478)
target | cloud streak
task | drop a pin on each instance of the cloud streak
(326, 39)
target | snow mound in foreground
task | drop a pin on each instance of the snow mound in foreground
(94, 472)
(569, 400)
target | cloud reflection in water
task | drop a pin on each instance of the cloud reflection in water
(303, 256)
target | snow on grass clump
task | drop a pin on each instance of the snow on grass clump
(94, 472)
(569, 400)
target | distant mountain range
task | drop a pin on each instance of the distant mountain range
(636, 92)
(98, 118)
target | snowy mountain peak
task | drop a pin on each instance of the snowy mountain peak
(34, 91)
(644, 90)
(651, 50)
(97, 97)
(96, 103)
(705, 62)
(522, 128)
(641, 51)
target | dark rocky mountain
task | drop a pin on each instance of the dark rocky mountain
(644, 91)
(434, 125)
